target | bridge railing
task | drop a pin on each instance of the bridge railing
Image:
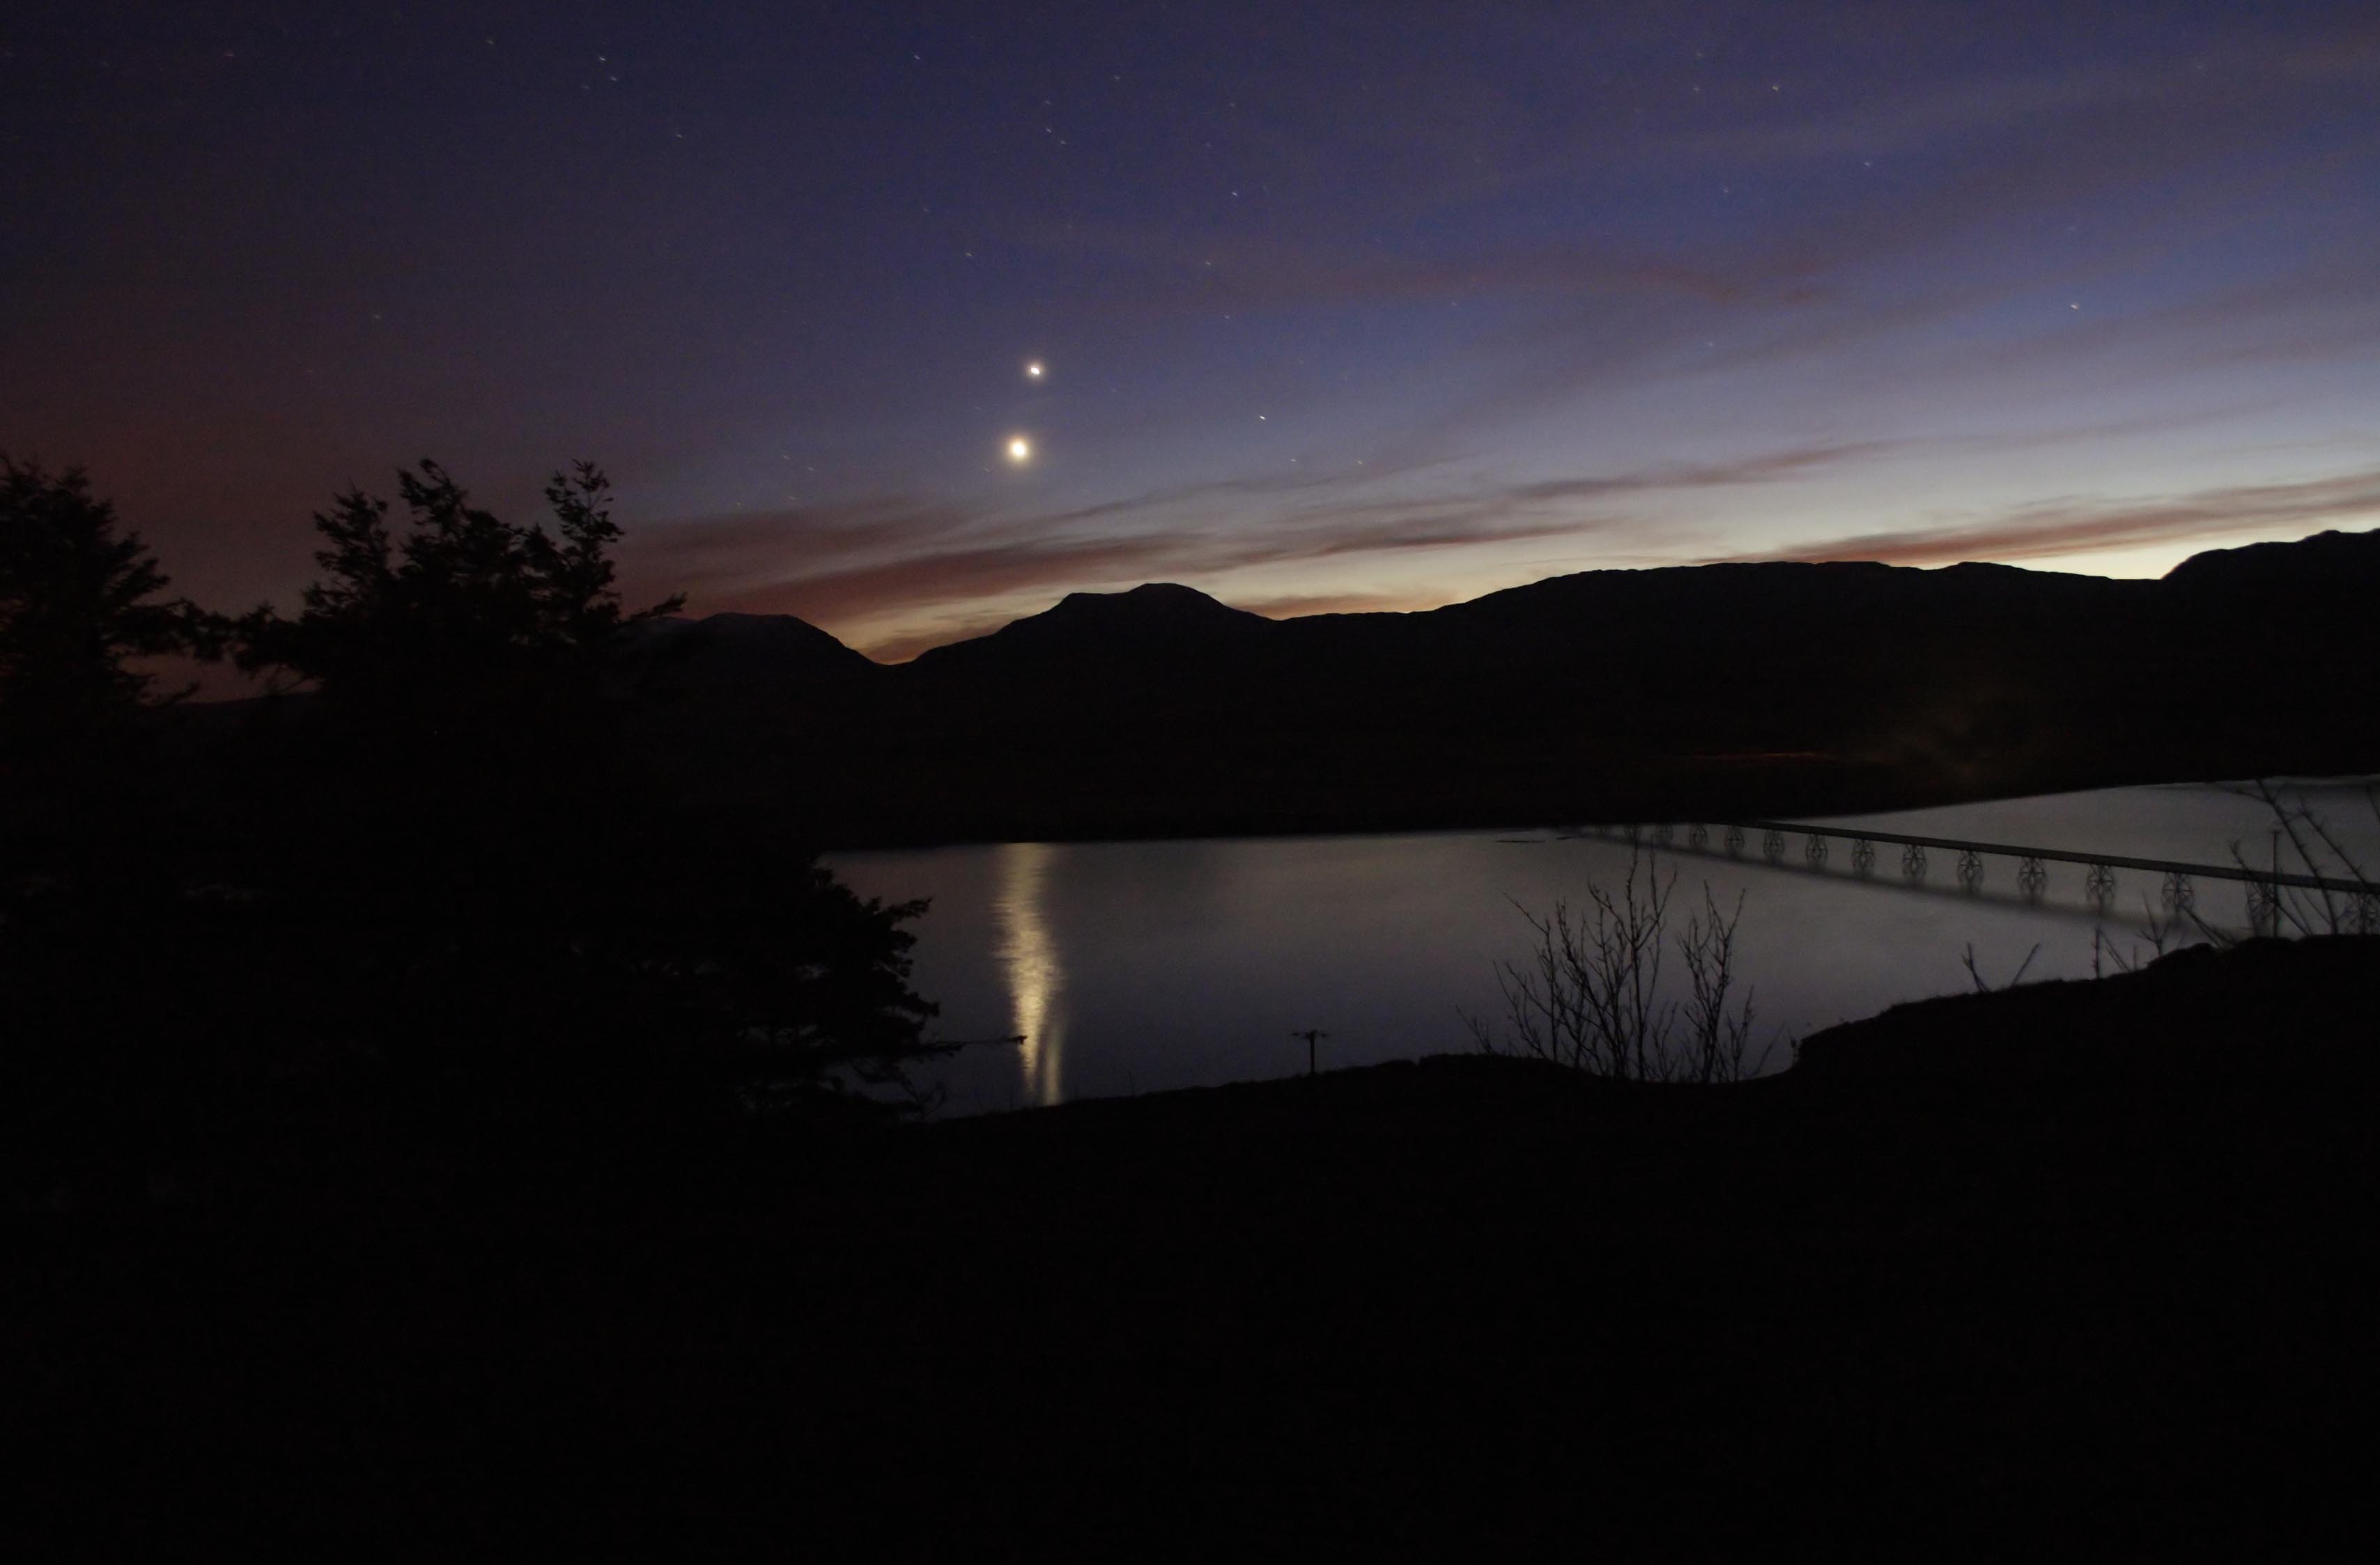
(2265, 886)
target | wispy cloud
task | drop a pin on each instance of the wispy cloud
(924, 634)
(1799, 281)
(951, 575)
(1299, 605)
(1766, 466)
(983, 567)
(2144, 97)
(2070, 527)
(899, 571)
(1243, 273)
(860, 555)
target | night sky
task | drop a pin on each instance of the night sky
(1356, 306)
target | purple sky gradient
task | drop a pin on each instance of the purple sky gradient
(1351, 305)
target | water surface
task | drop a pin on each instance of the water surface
(1138, 966)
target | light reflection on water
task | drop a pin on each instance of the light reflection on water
(1138, 966)
(1036, 982)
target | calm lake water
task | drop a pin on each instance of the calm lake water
(1139, 967)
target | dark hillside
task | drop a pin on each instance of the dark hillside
(2282, 647)
(2076, 1263)
(1738, 688)
(744, 656)
(1752, 688)
(1159, 626)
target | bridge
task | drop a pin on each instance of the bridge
(2178, 878)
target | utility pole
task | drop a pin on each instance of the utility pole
(1310, 1035)
(2277, 883)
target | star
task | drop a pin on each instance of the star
(1020, 450)
(1033, 370)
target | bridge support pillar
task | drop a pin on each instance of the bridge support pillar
(2264, 907)
(1734, 841)
(1772, 845)
(2176, 894)
(1912, 862)
(1863, 857)
(2099, 885)
(1970, 869)
(2031, 878)
(1698, 836)
(1813, 848)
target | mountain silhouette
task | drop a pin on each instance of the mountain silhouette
(1160, 621)
(740, 653)
(2328, 566)
(1728, 687)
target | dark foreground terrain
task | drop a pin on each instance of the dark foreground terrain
(2086, 1265)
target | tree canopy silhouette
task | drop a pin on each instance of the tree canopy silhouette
(86, 829)
(463, 823)
(78, 599)
(81, 796)
(462, 604)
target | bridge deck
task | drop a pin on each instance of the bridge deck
(2332, 884)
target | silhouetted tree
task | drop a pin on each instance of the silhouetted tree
(90, 890)
(464, 613)
(78, 598)
(484, 868)
(81, 796)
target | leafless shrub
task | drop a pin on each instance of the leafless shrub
(1975, 974)
(2181, 927)
(1589, 996)
(2273, 908)
(2318, 910)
